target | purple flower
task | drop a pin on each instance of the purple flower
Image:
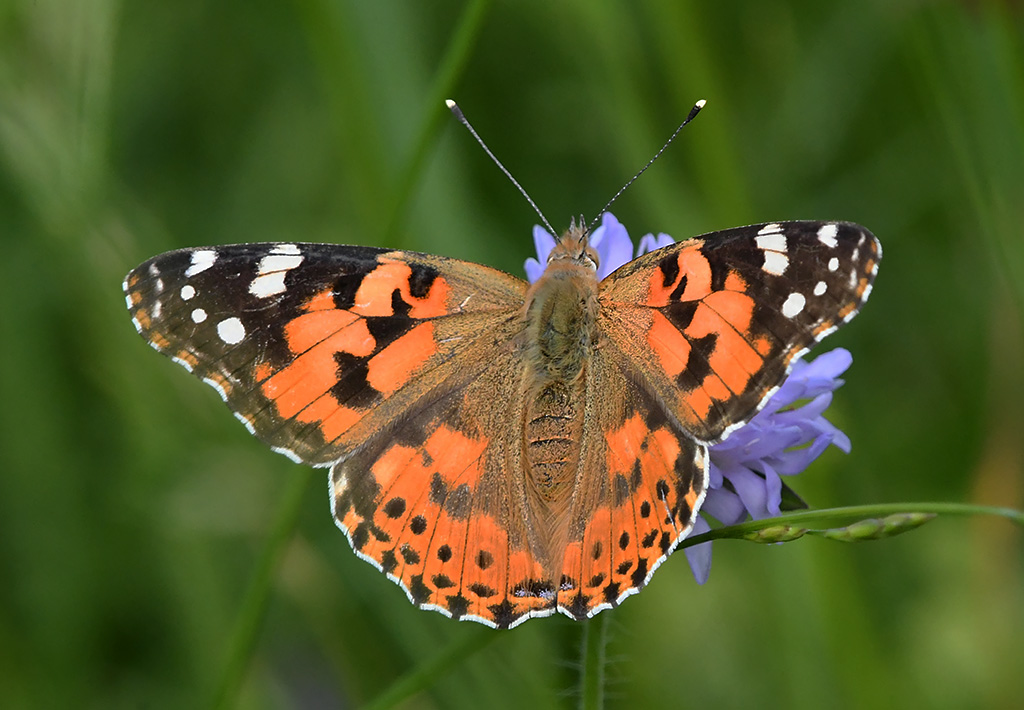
(781, 440)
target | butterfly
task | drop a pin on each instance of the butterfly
(504, 450)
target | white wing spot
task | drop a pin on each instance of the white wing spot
(820, 288)
(867, 292)
(793, 305)
(773, 244)
(231, 331)
(159, 285)
(827, 235)
(187, 292)
(153, 271)
(772, 228)
(833, 264)
(266, 285)
(774, 241)
(269, 280)
(775, 263)
(278, 262)
(202, 259)
(158, 308)
(198, 315)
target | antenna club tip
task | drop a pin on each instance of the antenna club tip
(700, 104)
(449, 103)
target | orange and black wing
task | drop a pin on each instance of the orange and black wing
(316, 347)
(713, 324)
(437, 501)
(640, 485)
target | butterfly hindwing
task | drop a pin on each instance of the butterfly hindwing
(641, 483)
(436, 500)
(313, 346)
(713, 323)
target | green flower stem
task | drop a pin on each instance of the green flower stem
(837, 517)
(257, 596)
(595, 632)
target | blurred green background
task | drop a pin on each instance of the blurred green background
(134, 510)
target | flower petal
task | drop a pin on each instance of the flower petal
(699, 556)
(534, 269)
(752, 491)
(649, 243)
(544, 243)
(613, 245)
(724, 506)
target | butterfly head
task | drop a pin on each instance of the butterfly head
(574, 247)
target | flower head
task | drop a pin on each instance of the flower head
(782, 439)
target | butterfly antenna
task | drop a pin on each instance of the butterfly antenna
(454, 108)
(693, 114)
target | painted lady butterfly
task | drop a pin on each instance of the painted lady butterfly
(504, 450)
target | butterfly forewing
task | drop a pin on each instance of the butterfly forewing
(315, 346)
(714, 323)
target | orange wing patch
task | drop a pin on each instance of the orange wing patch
(375, 294)
(690, 282)
(656, 479)
(392, 367)
(416, 512)
(696, 312)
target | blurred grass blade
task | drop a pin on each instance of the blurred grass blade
(452, 67)
(426, 674)
(257, 596)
